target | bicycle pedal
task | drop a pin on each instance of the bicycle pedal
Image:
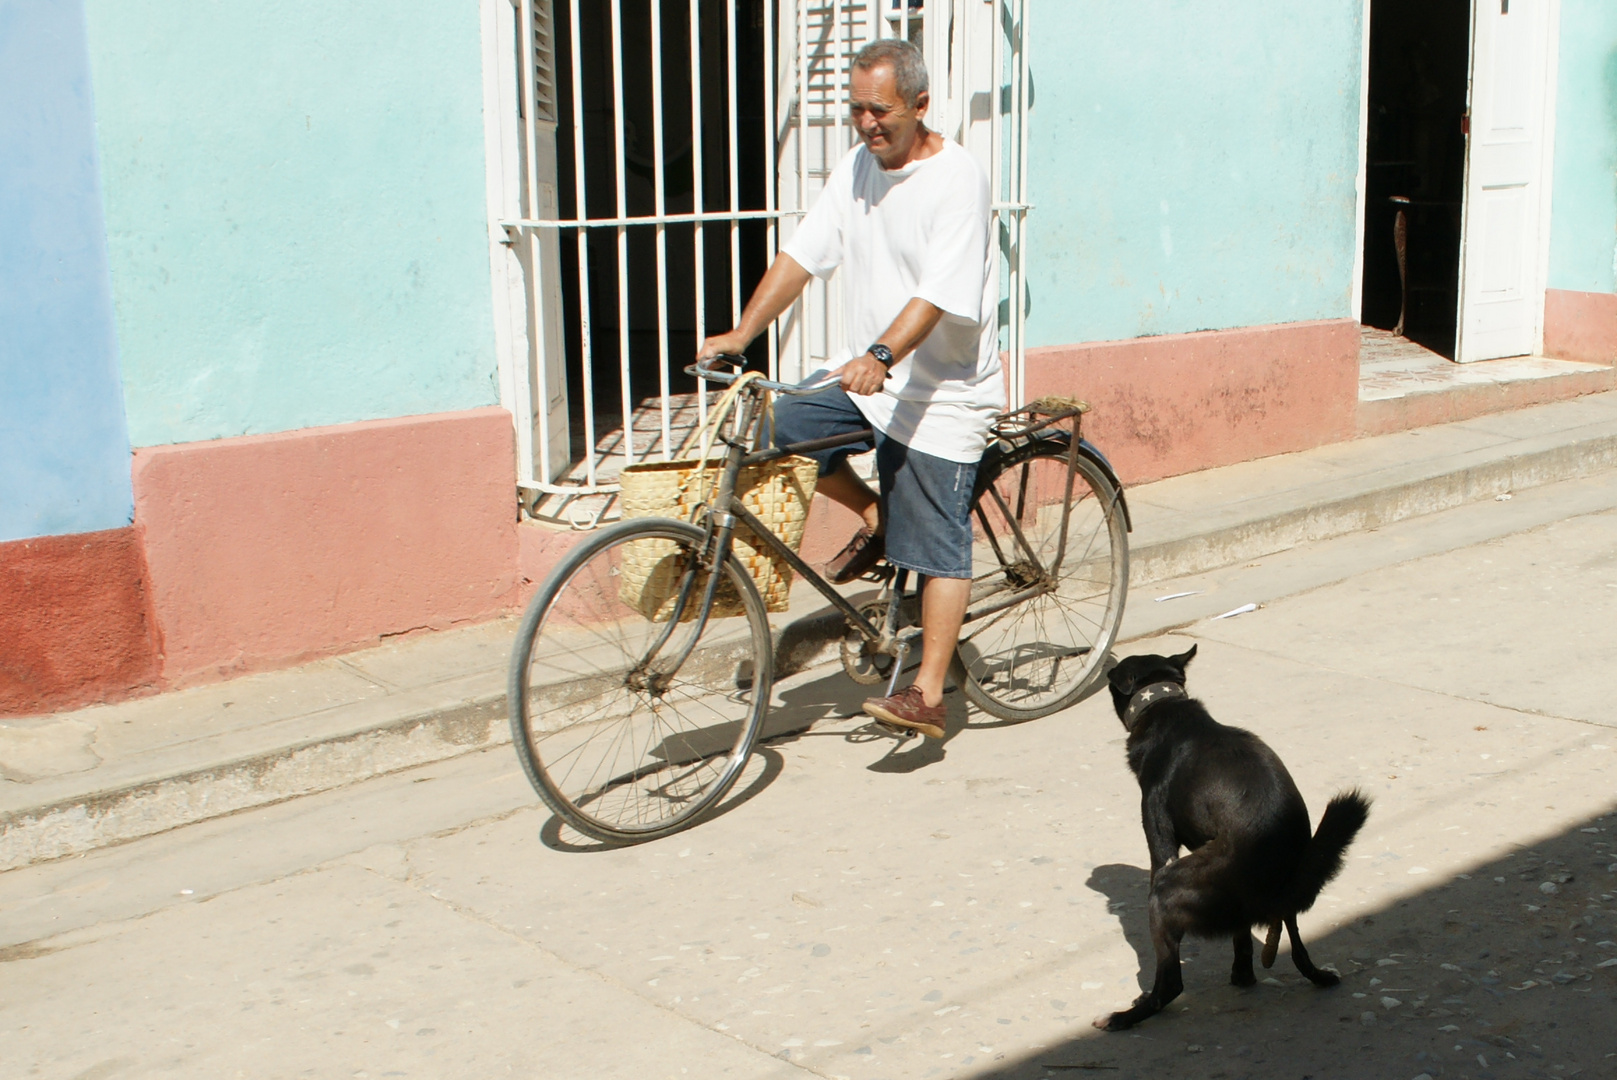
(900, 732)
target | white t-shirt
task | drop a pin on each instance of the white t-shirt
(919, 231)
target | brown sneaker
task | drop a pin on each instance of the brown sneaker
(907, 709)
(855, 560)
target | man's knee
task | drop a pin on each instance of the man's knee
(790, 422)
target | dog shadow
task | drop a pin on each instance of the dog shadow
(1126, 888)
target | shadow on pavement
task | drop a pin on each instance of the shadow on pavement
(1508, 971)
(558, 836)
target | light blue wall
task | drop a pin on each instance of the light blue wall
(1192, 165)
(1583, 224)
(64, 450)
(296, 211)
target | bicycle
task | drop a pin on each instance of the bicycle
(630, 729)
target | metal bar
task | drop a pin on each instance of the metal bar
(569, 489)
(1016, 528)
(771, 165)
(662, 228)
(1018, 45)
(774, 453)
(995, 118)
(802, 302)
(1019, 312)
(835, 90)
(586, 344)
(1019, 597)
(647, 219)
(524, 381)
(735, 191)
(806, 572)
(697, 216)
(625, 392)
(1066, 506)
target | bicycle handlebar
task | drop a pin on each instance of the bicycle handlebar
(702, 370)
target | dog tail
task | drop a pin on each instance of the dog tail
(1322, 859)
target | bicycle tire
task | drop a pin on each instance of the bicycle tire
(603, 737)
(1018, 664)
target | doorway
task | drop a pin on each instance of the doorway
(1419, 64)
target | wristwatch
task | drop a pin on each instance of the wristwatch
(883, 355)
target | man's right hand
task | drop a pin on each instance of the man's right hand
(733, 343)
(863, 375)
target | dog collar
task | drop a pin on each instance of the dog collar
(1147, 696)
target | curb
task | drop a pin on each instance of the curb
(1183, 556)
(118, 815)
(82, 823)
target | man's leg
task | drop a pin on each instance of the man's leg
(844, 486)
(819, 416)
(929, 507)
(943, 610)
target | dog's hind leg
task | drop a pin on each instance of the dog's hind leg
(1299, 956)
(1241, 974)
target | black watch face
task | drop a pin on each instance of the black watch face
(883, 354)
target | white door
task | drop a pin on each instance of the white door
(1501, 289)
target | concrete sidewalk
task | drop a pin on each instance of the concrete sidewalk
(76, 781)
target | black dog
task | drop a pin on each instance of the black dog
(1224, 795)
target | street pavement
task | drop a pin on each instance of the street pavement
(874, 909)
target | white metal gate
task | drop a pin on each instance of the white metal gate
(618, 248)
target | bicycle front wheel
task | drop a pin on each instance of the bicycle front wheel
(629, 720)
(1050, 570)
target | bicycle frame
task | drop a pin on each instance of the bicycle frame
(727, 511)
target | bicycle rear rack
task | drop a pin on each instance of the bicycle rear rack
(1038, 415)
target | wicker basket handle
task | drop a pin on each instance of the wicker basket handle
(709, 430)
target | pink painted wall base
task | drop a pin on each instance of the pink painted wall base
(1184, 402)
(271, 549)
(1580, 326)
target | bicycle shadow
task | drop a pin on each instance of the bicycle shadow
(558, 836)
(983, 721)
(835, 696)
(798, 706)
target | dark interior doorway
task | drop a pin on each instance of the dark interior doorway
(1419, 66)
(599, 199)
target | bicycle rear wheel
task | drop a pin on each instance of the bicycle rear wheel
(1039, 655)
(630, 728)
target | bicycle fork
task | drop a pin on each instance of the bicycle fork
(721, 525)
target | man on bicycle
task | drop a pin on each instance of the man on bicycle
(906, 215)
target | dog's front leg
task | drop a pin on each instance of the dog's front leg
(1242, 974)
(1166, 931)
(1161, 841)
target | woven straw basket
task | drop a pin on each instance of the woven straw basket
(777, 492)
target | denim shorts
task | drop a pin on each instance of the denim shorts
(926, 500)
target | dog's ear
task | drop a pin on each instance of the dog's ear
(1183, 660)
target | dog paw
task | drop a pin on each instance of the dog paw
(1243, 978)
(1325, 979)
(1117, 1021)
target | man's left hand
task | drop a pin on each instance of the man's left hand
(863, 375)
